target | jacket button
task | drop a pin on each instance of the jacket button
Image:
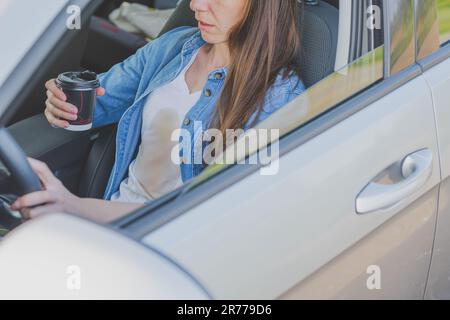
(187, 121)
(184, 160)
(208, 93)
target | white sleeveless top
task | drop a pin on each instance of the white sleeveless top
(153, 173)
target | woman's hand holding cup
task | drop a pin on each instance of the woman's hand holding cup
(58, 111)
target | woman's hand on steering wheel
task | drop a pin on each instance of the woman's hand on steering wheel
(53, 198)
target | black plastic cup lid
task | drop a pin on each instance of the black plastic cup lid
(78, 80)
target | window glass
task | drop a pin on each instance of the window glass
(427, 28)
(401, 29)
(358, 65)
(444, 20)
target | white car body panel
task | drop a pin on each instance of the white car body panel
(46, 255)
(267, 233)
(438, 78)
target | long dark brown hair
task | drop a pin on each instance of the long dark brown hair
(264, 43)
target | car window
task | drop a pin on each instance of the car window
(401, 35)
(359, 64)
(444, 20)
(432, 21)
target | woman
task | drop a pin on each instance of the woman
(233, 71)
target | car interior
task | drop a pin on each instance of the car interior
(83, 160)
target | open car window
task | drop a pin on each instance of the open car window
(359, 64)
(444, 20)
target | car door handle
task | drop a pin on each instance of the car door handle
(416, 170)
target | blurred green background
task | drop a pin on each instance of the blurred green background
(444, 19)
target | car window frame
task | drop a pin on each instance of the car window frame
(437, 53)
(160, 212)
(399, 25)
(426, 38)
(447, 41)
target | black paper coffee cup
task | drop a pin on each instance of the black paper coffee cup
(80, 90)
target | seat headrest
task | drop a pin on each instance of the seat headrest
(319, 34)
(319, 22)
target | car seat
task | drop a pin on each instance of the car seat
(319, 22)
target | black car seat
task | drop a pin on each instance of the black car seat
(319, 41)
(319, 23)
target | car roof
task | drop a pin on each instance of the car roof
(22, 22)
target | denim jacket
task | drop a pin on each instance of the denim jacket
(129, 83)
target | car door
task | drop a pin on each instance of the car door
(436, 65)
(352, 209)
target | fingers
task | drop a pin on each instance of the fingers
(31, 213)
(43, 171)
(57, 109)
(54, 121)
(101, 91)
(61, 104)
(51, 86)
(32, 199)
(39, 197)
(61, 109)
(36, 203)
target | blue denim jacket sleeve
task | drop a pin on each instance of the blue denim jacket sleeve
(123, 81)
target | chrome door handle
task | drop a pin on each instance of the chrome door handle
(416, 170)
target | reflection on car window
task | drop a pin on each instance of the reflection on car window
(444, 20)
(427, 28)
(402, 38)
(359, 64)
(314, 102)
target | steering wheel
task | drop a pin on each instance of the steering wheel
(22, 177)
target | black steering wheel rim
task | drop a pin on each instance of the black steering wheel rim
(22, 177)
(15, 160)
